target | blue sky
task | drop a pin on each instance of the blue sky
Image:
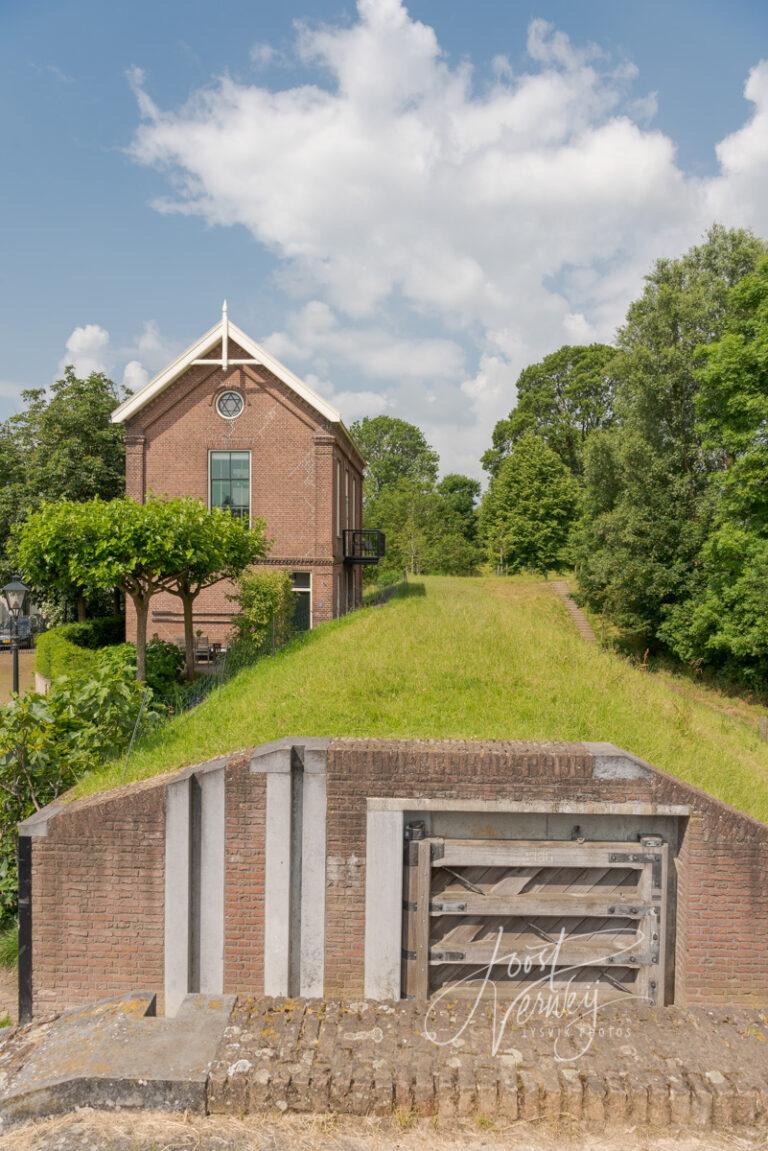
(404, 235)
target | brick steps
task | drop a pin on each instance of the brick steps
(593, 1100)
(374, 1059)
(583, 626)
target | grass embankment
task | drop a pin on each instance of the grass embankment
(472, 658)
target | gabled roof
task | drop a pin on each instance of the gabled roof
(222, 333)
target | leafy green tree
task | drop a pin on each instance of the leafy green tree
(647, 500)
(72, 450)
(209, 546)
(161, 545)
(62, 445)
(461, 493)
(425, 534)
(724, 621)
(563, 399)
(529, 508)
(393, 450)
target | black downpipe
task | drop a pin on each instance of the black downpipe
(25, 928)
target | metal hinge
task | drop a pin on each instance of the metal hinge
(436, 850)
(408, 954)
(639, 857)
(446, 956)
(449, 906)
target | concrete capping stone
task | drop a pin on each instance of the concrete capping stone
(610, 762)
(276, 755)
(532, 807)
(36, 826)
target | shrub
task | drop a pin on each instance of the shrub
(165, 664)
(92, 633)
(69, 650)
(48, 742)
(266, 604)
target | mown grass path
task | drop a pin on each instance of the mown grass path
(471, 658)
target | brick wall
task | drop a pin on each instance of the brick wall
(244, 878)
(298, 461)
(98, 873)
(98, 900)
(722, 868)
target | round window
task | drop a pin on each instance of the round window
(229, 405)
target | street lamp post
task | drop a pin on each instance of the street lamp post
(14, 593)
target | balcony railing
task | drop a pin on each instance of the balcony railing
(363, 545)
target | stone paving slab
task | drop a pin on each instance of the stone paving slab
(114, 1053)
(642, 1067)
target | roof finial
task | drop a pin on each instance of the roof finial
(224, 337)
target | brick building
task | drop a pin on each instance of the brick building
(230, 425)
(387, 869)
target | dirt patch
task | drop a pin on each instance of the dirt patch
(156, 1132)
(26, 672)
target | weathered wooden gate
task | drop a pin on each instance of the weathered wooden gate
(562, 913)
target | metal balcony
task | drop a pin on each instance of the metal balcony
(363, 545)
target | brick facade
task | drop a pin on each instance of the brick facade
(306, 481)
(98, 867)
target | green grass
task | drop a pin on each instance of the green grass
(9, 947)
(476, 658)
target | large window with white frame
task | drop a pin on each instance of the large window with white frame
(230, 482)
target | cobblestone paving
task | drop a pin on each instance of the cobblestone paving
(696, 1068)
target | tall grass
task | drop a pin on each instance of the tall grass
(472, 658)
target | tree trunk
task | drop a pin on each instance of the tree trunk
(189, 636)
(81, 612)
(142, 616)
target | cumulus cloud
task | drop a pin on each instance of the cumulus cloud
(135, 375)
(90, 349)
(506, 213)
(314, 333)
(87, 349)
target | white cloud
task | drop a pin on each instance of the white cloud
(510, 211)
(314, 333)
(135, 375)
(90, 349)
(87, 349)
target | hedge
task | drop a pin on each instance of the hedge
(71, 649)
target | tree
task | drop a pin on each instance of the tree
(725, 619)
(161, 545)
(210, 546)
(563, 399)
(72, 449)
(425, 534)
(393, 450)
(642, 534)
(461, 493)
(529, 508)
(62, 445)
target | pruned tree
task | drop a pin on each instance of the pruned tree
(210, 546)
